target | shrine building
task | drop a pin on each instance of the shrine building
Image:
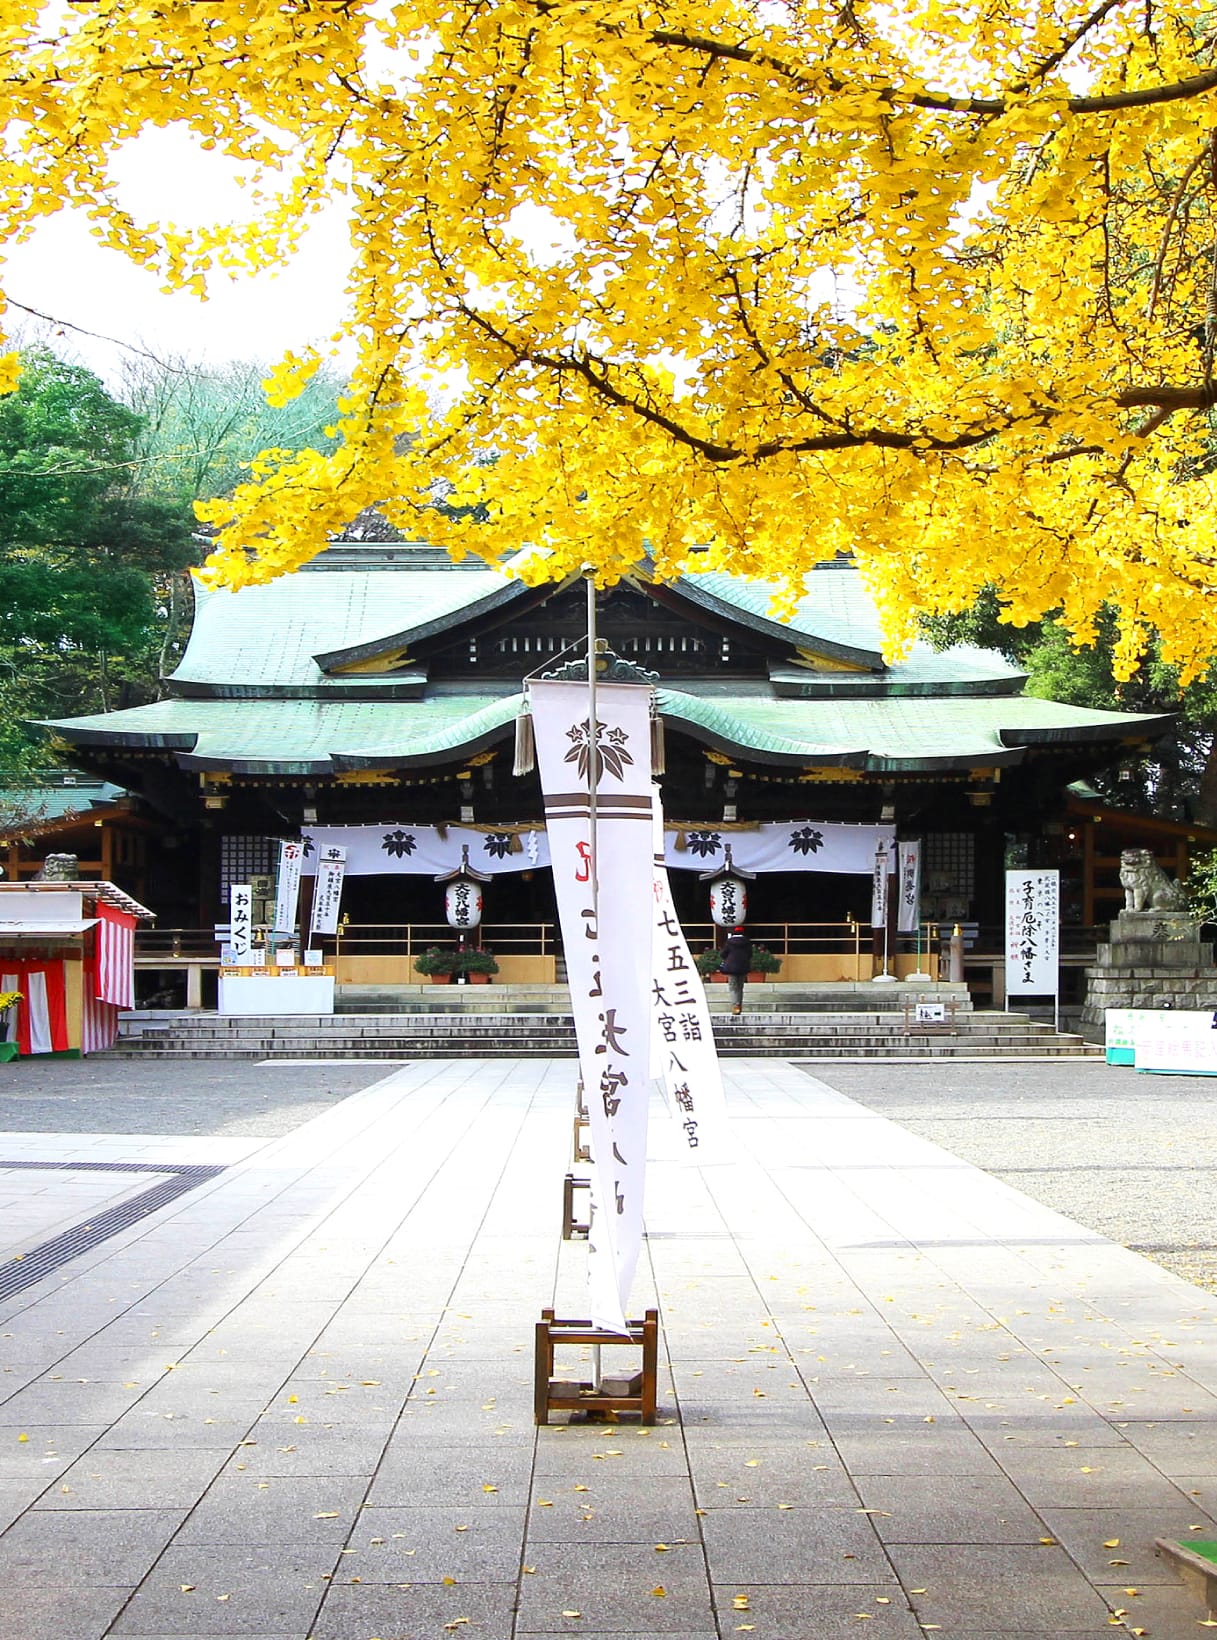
(378, 688)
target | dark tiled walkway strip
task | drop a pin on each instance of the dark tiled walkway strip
(16, 1274)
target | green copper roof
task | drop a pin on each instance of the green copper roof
(317, 737)
(253, 694)
(893, 735)
(267, 636)
(290, 637)
(300, 737)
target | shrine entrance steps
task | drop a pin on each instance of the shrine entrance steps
(526, 1022)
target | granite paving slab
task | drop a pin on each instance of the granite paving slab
(791, 1611)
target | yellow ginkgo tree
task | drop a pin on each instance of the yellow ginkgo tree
(771, 279)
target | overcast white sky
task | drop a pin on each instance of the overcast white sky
(64, 272)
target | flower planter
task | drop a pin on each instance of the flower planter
(478, 979)
(440, 979)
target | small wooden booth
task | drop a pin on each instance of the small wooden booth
(69, 949)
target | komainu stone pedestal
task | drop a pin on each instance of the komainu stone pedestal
(1154, 959)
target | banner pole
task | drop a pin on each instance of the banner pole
(593, 732)
(593, 735)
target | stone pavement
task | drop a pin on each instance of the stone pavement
(290, 1395)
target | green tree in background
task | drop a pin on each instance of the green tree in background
(201, 427)
(1177, 780)
(86, 555)
(97, 531)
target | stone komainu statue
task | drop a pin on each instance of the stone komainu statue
(1146, 886)
(59, 868)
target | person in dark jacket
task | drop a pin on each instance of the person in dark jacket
(735, 962)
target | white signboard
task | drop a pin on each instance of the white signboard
(606, 937)
(327, 892)
(683, 1054)
(1177, 1040)
(287, 886)
(880, 879)
(908, 910)
(1120, 1034)
(1033, 933)
(240, 920)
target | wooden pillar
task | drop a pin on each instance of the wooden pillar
(1088, 852)
(107, 853)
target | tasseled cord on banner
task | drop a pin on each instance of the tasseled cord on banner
(526, 743)
(658, 755)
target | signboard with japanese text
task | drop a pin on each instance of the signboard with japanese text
(327, 892)
(683, 1054)
(908, 887)
(880, 884)
(240, 920)
(1033, 933)
(287, 886)
(1179, 1041)
(604, 886)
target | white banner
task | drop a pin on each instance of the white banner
(240, 919)
(908, 911)
(1033, 932)
(881, 870)
(399, 849)
(287, 886)
(792, 845)
(427, 851)
(682, 1041)
(327, 893)
(606, 938)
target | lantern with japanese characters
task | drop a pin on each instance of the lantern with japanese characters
(463, 903)
(728, 892)
(463, 894)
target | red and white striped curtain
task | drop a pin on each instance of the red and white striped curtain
(42, 1014)
(115, 956)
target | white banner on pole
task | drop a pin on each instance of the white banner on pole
(1033, 933)
(683, 1054)
(327, 893)
(880, 880)
(240, 919)
(908, 914)
(287, 886)
(606, 940)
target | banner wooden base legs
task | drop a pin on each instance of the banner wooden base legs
(636, 1394)
(573, 1230)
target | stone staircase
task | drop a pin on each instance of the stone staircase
(534, 1022)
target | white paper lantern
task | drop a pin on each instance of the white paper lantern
(728, 901)
(463, 903)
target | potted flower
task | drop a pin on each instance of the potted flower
(707, 964)
(438, 963)
(763, 962)
(8, 1002)
(477, 965)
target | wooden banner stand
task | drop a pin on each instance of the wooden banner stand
(582, 1152)
(612, 1395)
(572, 1229)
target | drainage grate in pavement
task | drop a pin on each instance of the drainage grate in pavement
(16, 1274)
